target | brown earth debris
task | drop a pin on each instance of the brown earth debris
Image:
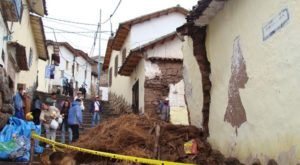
(135, 136)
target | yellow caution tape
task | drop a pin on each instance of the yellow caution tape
(105, 154)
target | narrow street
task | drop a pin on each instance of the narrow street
(174, 82)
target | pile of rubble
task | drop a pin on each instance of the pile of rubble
(137, 136)
(6, 108)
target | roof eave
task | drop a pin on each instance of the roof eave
(39, 36)
(107, 54)
(124, 28)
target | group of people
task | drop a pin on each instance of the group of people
(53, 115)
(66, 115)
(68, 88)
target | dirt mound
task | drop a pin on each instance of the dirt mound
(135, 135)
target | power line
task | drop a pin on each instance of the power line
(62, 20)
(95, 38)
(112, 13)
(79, 32)
(65, 23)
(73, 33)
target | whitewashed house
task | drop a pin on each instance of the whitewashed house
(143, 62)
(69, 63)
(4, 35)
(25, 41)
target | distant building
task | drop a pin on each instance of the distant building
(103, 79)
(69, 63)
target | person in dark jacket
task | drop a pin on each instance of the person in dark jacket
(19, 104)
(83, 91)
(64, 125)
(65, 86)
(36, 111)
(165, 110)
(95, 109)
(75, 118)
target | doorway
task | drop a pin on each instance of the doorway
(135, 97)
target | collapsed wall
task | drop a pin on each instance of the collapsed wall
(158, 86)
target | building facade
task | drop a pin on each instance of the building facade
(241, 72)
(69, 63)
(25, 41)
(136, 60)
(103, 87)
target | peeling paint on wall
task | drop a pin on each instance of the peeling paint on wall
(235, 111)
(152, 70)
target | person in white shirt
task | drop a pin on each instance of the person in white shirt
(95, 109)
(79, 96)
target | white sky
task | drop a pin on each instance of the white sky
(88, 11)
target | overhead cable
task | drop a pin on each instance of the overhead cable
(79, 32)
(112, 13)
(62, 20)
(66, 24)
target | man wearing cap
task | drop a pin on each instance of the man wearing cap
(165, 110)
(48, 114)
(95, 109)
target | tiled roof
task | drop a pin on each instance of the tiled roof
(135, 55)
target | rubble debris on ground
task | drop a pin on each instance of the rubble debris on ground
(135, 136)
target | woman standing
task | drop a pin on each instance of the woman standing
(64, 126)
(48, 118)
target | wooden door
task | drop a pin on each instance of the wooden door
(135, 97)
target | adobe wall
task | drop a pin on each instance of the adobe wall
(158, 87)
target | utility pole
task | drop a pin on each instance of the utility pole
(99, 58)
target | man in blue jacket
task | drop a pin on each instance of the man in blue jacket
(75, 118)
(18, 104)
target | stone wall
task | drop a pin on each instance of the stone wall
(6, 108)
(158, 87)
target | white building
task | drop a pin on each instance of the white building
(4, 35)
(144, 63)
(70, 63)
(26, 43)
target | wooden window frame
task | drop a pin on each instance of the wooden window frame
(116, 66)
(67, 65)
(110, 76)
(123, 55)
